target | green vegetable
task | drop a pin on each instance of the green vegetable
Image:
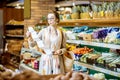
(75, 9)
(78, 8)
(85, 9)
(104, 6)
(94, 7)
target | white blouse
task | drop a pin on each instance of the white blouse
(49, 42)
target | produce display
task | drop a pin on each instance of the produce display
(90, 58)
(7, 75)
(79, 29)
(30, 75)
(30, 58)
(73, 76)
(70, 47)
(30, 52)
(112, 38)
(77, 67)
(106, 35)
(15, 32)
(75, 13)
(14, 22)
(83, 50)
(25, 75)
(92, 11)
(12, 47)
(108, 57)
(99, 76)
(2, 68)
(85, 12)
(114, 62)
(100, 34)
(109, 61)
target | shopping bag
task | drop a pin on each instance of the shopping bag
(68, 59)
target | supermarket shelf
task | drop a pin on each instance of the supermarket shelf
(99, 69)
(89, 22)
(9, 35)
(15, 54)
(8, 66)
(30, 50)
(111, 20)
(13, 64)
(16, 25)
(25, 67)
(42, 23)
(106, 45)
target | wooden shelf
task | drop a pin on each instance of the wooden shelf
(17, 36)
(89, 22)
(9, 25)
(43, 23)
(113, 46)
(15, 54)
(25, 67)
(15, 65)
(99, 69)
(93, 20)
(8, 66)
(31, 51)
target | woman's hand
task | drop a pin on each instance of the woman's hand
(57, 52)
(28, 34)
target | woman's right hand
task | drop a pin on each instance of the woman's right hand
(57, 52)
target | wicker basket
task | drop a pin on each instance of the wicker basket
(47, 77)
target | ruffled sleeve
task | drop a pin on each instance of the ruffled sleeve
(39, 39)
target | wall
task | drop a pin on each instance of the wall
(39, 8)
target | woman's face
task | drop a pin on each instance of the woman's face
(51, 19)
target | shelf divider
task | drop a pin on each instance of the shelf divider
(89, 22)
(113, 46)
(98, 69)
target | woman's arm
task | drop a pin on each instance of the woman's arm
(41, 32)
(38, 39)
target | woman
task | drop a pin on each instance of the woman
(54, 41)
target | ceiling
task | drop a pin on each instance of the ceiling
(7, 1)
(59, 0)
(12, 3)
